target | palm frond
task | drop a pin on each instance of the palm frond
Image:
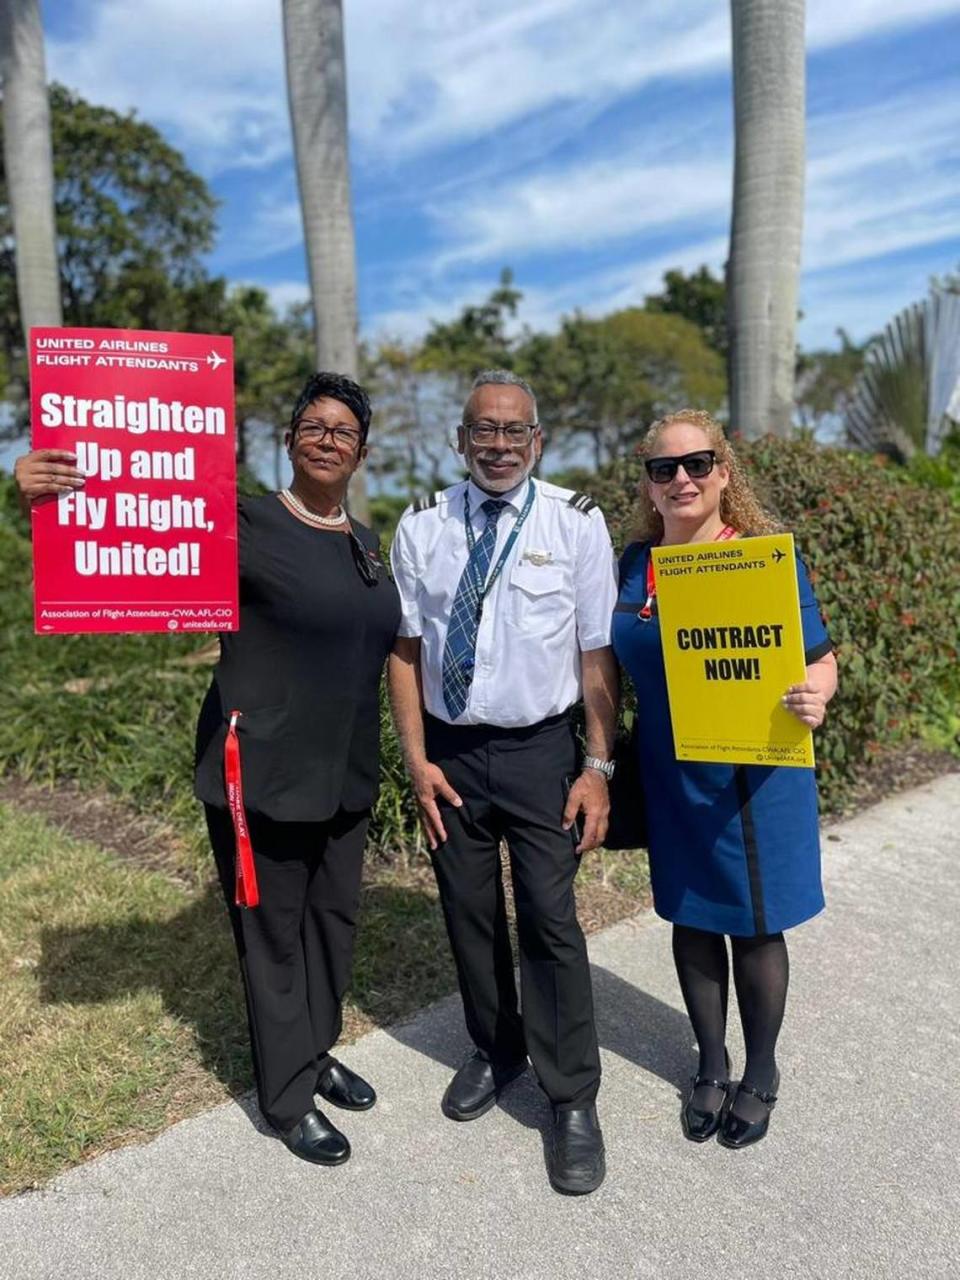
(910, 381)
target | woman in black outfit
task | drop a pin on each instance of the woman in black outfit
(318, 615)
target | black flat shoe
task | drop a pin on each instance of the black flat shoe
(699, 1125)
(736, 1132)
(344, 1088)
(476, 1087)
(315, 1139)
(576, 1164)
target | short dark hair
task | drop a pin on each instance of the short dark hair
(502, 378)
(335, 386)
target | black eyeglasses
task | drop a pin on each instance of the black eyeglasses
(517, 433)
(368, 566)
(313, 432)
(696, 465)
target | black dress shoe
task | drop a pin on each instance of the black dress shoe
(735, 1132)
(476, 1087)
(344, 1088)
(576, 1163)
(698, 1124)
(315, 1139)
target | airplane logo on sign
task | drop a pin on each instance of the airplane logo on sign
(215, 361)
(778, 555)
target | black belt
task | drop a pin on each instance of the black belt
(483, 732)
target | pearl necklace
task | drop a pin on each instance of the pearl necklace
(325, 522)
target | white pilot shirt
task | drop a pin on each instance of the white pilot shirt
(553, 599)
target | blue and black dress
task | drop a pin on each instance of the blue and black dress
(733, 848)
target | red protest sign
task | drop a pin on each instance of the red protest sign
(150, 541)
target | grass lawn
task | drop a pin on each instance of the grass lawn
(120, 1006)
(119, 1010)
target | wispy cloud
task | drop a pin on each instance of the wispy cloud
(519, 133)
(859, 299)
(271, 225)
(286, 293)
(542, 307)
(882, 182)
(420, 77)
(585, 206)
(210, 76)
(881, 178)
(830, 23)
(451, 70)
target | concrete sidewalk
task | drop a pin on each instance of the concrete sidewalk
(858, 1178)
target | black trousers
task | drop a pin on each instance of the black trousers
(511, 782)
(295, 948)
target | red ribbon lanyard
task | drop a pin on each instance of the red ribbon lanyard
(726, 532)
(247, 892)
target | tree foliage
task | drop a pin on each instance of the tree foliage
(273, 358)
(416, 414)
(701, 298)
(598, 382)
(604, 381)
(826, 380)
(133, 222)
(478, 338)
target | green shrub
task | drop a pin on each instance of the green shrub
(119, 711)
(884, 557)
(942, 471)
(106, 711)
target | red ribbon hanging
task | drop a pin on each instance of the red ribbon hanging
(247, 891)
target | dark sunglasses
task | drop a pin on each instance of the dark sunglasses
(696, 465)
(367, 564)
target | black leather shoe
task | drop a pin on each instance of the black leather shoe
(315, 1139)
(736, 1132)
(344, 1088)
(576, 1164)
(476, 1087)
(698, 1124)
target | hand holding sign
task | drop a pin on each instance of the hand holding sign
(732, 642)
(47, 472)
(807, 702)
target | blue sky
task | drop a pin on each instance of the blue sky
(587, 144)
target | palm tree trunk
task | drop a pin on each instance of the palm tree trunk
(28, 162)
(766, 233)
(317, 91)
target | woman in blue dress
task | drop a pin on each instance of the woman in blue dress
(734, 849)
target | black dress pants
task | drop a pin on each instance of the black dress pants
(511, 782)
(295, 948)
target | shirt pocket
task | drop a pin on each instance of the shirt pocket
(540, 597)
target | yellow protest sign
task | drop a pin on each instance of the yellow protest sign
(732, 643)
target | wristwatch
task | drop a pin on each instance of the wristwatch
(606, 767)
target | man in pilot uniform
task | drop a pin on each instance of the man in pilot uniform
(508, 586)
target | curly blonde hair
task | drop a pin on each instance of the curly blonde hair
(739, 505)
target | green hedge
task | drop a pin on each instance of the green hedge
(884, 557)
(118, 711)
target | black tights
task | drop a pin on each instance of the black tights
(761, 971)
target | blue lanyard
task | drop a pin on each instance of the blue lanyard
(483, 589)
